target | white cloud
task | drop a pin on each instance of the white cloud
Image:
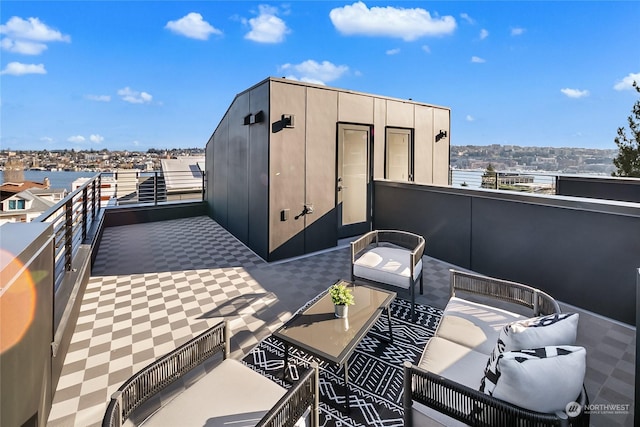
(407, 24)
(99, 98)
(22, 47)
(393, 51)
(31, 29)
(484, 34)
(136, 143)
(76, 138)
(478, 60)
(467, 18)
(267, 27)
(193, 26)
(517, 31)
(46, 139)
(134, 97)
(627, 82)
(96, 138)
(426, 48)
(575, 93)
(19, 69)
(313, 72)
(27, 36)
(470, 118)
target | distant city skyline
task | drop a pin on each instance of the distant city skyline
(132, 75)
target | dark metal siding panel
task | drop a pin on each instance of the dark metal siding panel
(443, 219)
(581, 257)
(259, 173)
(600, 188)
(287, 169)
(321, 230)
(209, 152)
(238, 169)
(220, 150)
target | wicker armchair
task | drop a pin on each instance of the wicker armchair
(390, 259)
(302, 398)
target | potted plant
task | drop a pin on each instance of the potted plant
(342, 298)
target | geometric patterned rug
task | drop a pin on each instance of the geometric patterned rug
(375, 368)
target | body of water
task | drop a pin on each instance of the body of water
(59, 179)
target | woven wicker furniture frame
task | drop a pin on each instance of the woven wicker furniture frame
(413, 242)
(166, 370)
(472, 406)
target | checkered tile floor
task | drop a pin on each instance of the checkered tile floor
(156, 285)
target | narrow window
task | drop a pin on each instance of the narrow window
(12, 204)
(399, 155)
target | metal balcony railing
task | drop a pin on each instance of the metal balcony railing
(154, 187)
(73, 216)
(531, 182)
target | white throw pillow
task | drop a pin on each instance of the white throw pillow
(542, 379)
(536, 332)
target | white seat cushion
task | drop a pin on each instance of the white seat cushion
(454, 361)
(473, 325)
(387, 265)
(231, 394)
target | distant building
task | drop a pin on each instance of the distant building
(11, 187)
(27, 205)
(107, 187)
(183, 176)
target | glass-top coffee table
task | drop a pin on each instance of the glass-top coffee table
(317, 331)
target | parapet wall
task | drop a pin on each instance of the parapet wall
(583, 252)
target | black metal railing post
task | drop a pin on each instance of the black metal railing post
(203, 181)
(85, 215)
(68, 234)
(155, 188)
(93, 200)
(407, 398)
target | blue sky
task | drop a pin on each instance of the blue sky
(161, 74)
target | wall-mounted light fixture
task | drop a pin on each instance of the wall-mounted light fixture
(254, 118)
(441, 134)
(288, 120)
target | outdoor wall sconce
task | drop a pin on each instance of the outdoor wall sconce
(288, 120)
(441, 134)
(254, 118)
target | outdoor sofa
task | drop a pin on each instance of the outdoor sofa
(230, 394)
(390, 259)
(490, 364)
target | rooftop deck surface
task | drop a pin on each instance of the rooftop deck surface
(154, 286)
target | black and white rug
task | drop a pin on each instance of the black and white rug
(375, 369)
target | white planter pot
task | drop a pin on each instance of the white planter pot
(342, 311)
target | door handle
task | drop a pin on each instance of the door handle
(340, 187)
